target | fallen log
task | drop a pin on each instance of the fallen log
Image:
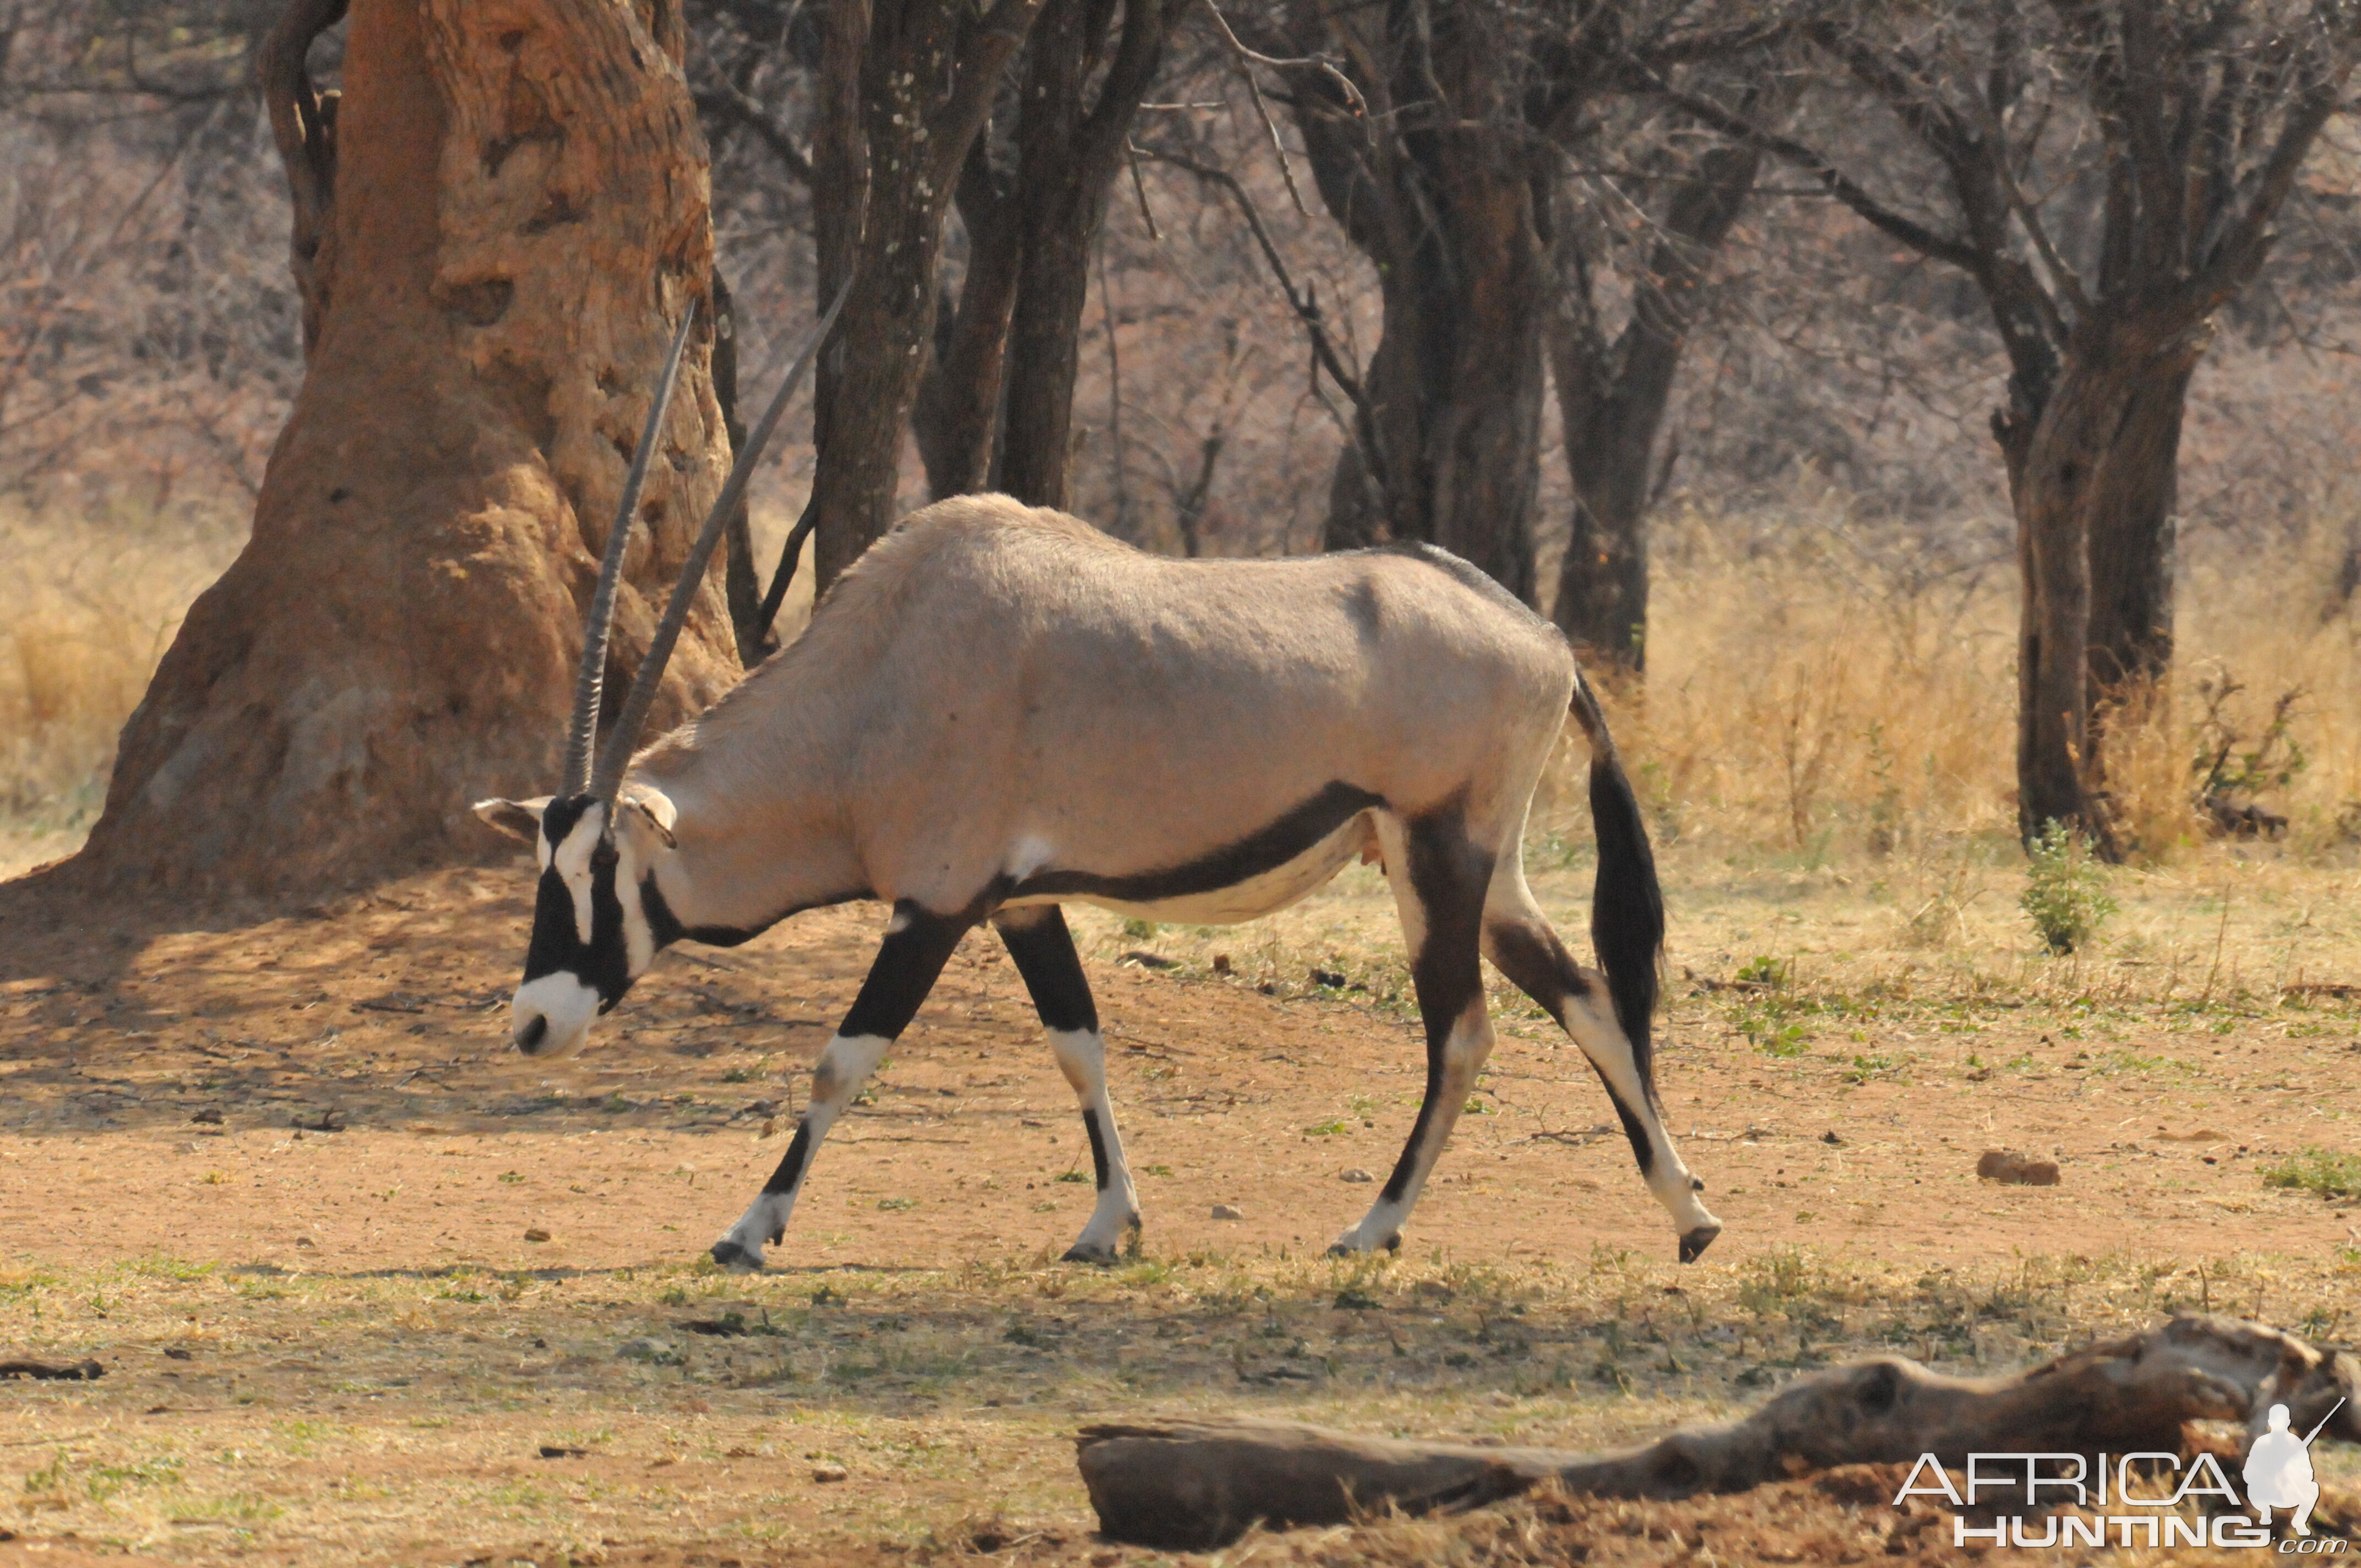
(69, 1371)
(1193, 1484)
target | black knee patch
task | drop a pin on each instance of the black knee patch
(1044, 950)
(1643, 1150)
(1537, 963)
(904, 969)
(1407, 1166)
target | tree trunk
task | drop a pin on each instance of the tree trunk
(1195, 1484)
(875, 354)
(957, 419)
(1611, 401)
(2133, 534)
(1033, 245)
(927, 75)
(518, 217)
(2052, 506)
(2100, 457)
(1450, 214)
(741, 575)
(1058, 213)
(1455, 386)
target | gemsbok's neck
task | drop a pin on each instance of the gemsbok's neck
(758, 827)
(735, 872)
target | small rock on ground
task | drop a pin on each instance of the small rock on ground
(1228, 1212)
(828, 1470)
(2014, 1169)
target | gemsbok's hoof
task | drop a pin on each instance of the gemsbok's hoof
(735, 1259)
(1342, 1248)
(1692, 1245)
(1078, 1253)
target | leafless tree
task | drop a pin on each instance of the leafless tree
(2107, 172)
(998, 405)
(1428, 130)
(1642, 223)
(905, 87)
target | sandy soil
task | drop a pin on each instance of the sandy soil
(279, 1175)
(158, 1080)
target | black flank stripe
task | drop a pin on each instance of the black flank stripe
(1264, 850)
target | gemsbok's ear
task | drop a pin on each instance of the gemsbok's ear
(517, 818)
(654, 808)
(655, 825)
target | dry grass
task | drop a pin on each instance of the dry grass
(86, 609)
(1812, 697)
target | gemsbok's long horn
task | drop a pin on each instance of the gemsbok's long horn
(607, 777)
(582, 730)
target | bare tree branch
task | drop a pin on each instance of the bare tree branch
(729, 102)
(1918, 237)
(1306, 308)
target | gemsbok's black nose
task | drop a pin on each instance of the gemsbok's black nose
(530, 1036)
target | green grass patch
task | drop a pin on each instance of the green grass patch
(2317, 1170)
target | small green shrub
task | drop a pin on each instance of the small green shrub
(2317, 1170)
(2065, 890)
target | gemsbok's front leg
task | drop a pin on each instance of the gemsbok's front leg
(917, 945)
(1438, 876)
(1044, 950)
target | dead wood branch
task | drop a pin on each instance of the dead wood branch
(1190, 1484)
(46, 1371)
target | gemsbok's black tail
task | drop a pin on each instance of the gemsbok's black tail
(1626, 907)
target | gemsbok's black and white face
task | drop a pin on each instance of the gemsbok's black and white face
(597, 919)
(592, 933)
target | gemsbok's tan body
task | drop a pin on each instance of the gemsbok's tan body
(999, 710)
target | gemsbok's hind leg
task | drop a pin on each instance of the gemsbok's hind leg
(1519, 942)
(917, 947)
(1439, 875)
(1044, 950)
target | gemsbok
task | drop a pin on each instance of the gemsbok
(999, 710)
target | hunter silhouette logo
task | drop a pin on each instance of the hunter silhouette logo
(2279, 1471)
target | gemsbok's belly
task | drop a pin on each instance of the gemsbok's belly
(1261, 893)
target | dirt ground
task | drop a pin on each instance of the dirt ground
(351, 1266)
